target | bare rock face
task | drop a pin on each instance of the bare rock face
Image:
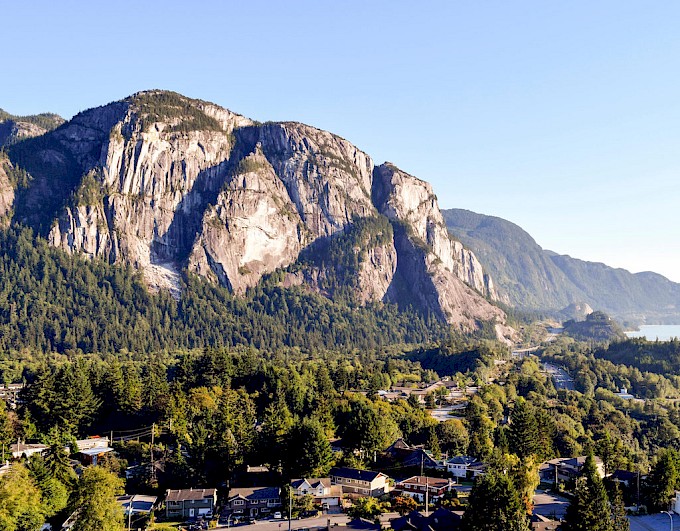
(376, 273)
(156, 175)
(434, 270)
(6, 193)
(327, 178)
(253, 229)
(405, 198)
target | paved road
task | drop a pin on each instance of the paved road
(560, 376)
(550, 505)
(282, 525)
(654, 522)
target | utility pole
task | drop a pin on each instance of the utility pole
(132, 499)
(427, 497)
(153, 468)
(290, 504)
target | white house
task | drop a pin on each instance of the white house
(324, 492)
(465, 467)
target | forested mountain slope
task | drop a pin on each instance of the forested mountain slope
(534, 278)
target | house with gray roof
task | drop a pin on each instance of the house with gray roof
(252, 501)
(190, 503)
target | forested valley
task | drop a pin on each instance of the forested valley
(286, 378)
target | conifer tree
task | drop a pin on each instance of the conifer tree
(495, 505)
(589, 510)
(619, 520)
(523, 436)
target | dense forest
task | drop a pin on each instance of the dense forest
(54, 302)
(275, 376)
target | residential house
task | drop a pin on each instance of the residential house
(252, 501)
(22, 449)
(190, 503)
(465, 467)
(566, 468)
(10, 393)
(417, 486)
(324, 492)
(137, 503)
(360, 482)
(440, 520)
(412, 456)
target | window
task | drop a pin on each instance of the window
(238, 502)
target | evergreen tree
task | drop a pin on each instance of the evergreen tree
(523, 436)
(6, 430)
(619, 520)
(495, 505)
(662, 480)
(309, 452)
(589, 509)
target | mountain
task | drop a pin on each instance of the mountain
(16, 128)
(170, 184)
(536, 279)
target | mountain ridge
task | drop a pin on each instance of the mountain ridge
(537, 279)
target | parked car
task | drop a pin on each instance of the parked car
(277, 515)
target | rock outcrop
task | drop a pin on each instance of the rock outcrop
(6, 192)
(164, 182)
(436, 271)
(411, 201)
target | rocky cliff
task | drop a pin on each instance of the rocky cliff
(6, 191)
(164, 182)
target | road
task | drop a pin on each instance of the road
(308, 523)
(550, 505)
(560, 376)
(653, 522)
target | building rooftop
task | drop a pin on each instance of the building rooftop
(354, 473)
(256, 493)
(189, 494)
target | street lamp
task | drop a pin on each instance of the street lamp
(669, 516)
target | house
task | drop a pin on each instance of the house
(416, 486)
(412, 456)
(440, 520)
(26, 450)
(252, 501)
(626, 477)
(325, 493)
(190, 503)
(465, 467)
(137, 503)
(360, 482)
(624, 394)
(566, 468)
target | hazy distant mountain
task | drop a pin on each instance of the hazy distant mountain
(534, 278)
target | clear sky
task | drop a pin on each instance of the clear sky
(563, 117)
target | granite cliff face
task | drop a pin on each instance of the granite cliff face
(6, 192)
(164, 182)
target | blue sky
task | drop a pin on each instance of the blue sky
(563, 117)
